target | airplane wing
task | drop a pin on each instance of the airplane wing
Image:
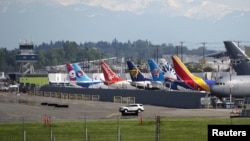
(218, 54)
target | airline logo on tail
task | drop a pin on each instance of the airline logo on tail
(79, 73)
(156, 72)
(166, 67)
(107, 72)
(134, 73)
(71, 72)
(133, 70)
(194, 82)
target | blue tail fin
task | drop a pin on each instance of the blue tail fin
(156, 71)
(135, 73)
(80, 75)
(169, 77)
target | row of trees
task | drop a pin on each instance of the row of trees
(61, 52)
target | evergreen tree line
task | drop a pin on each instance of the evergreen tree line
(61, 52)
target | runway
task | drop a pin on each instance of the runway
(29, 108)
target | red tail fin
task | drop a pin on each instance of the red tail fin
(181, 69)
(72, 74)
(109, 75)
(193, 81)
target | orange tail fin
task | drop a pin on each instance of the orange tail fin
(109, 75)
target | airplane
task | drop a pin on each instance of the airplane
(239, 60)
(169, 72)
(111, 79)
(236, 86)
(138, 78)
(77, 75)
(194, 82)
(71, 72)
(165, 75)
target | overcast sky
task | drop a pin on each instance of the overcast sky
(158, 21)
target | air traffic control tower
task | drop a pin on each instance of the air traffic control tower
(26, 57)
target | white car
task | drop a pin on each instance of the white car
(132, 108)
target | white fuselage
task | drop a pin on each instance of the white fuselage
(235, 86)
(121, 85)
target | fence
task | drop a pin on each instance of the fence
(134, 129)
(85, 97)
(126, 100)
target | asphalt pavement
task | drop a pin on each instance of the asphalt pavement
(16, 107)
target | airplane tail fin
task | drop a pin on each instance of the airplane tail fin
(109, 75)
(71, 72)
(169, 72)
(234, 52)
(193, 81)
(156, 71)
(181, 69)
(80, 75)
(238, 58)
(135, 73)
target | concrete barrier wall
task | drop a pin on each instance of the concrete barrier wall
(177, 99)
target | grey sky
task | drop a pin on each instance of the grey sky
(158, 21)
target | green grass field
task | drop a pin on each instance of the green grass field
(171, 129)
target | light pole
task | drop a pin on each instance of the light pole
(181, 50)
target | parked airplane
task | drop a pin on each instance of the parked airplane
(194, 82)
(138, 78)
(235, 85)
(71, 72)
(77, 75)
(167, 77)
(239, 60)
(112, 79)
(169, 72)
